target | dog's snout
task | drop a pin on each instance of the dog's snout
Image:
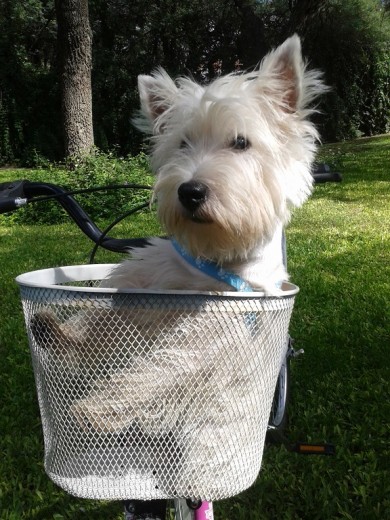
(192, 194)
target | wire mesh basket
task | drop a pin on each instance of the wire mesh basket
(146, 394)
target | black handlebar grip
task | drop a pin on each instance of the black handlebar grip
(8, 205)
(12, 195)
(320, 178)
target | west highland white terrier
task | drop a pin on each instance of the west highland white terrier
(231, 161)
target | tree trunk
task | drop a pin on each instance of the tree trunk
(75, 61)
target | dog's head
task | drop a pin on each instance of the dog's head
(233, 157)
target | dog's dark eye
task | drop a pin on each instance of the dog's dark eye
(240, 143)
(184, 144)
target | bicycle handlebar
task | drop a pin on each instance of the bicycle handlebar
(11, 204)
(320, 178)
(16, 194)
(11, 196)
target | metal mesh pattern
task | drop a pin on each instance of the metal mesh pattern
(152, 395)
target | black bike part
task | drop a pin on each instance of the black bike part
(12, 196)
(76, 212)
(12, 189)
(17, 193)
(138, 510)
(11, 193)
(320, 178)
(278, 417)
(321, 173)
(321, 168)
(8, 205)
(193, 504)
(142, 242)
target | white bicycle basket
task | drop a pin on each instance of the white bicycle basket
(147, 394)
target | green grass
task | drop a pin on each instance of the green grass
(339, 256)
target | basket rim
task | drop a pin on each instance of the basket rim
(53, 278)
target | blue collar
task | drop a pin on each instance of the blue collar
(214, 270)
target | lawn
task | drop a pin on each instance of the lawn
(338, 248)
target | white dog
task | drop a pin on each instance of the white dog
(231, 159)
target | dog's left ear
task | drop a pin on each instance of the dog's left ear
(286, 70)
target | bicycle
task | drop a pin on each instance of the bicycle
(15, 195)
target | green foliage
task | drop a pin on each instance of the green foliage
(29, 102)
(95, 170)
(200, 38)
(359, 72)
(348, 40)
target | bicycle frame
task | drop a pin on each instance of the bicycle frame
(183, 509)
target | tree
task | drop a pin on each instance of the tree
(75, 64)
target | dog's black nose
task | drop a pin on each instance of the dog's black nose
(192, 194)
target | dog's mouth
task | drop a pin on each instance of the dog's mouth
(200, 219)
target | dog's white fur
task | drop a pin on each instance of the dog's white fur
(250, 191)
(247, 138)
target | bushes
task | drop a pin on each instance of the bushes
(349, 41)
(98, 169)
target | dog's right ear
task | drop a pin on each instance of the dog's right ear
(157, 94)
